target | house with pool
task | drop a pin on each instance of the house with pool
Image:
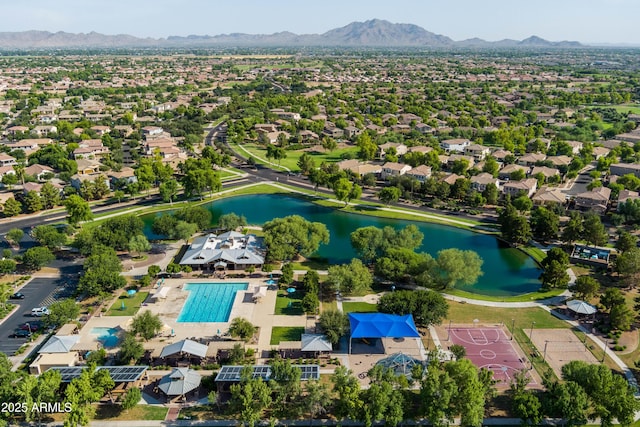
(226, 251)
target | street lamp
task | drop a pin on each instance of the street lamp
(29, 329)
(544, 353)
(604, 353)
(531, 330)
(449, 331)
(513, 328)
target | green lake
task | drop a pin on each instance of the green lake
(507, 271)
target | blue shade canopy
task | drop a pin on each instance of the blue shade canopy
(381, 325)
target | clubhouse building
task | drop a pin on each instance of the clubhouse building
(227, 251)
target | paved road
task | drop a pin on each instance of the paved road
(38, 292)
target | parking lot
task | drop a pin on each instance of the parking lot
(38, 292)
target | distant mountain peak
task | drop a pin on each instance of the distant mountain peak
(373, 32)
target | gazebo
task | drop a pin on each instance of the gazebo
(184, 349)
(315, 343)
(179, 382)
(400, 363)
(581, 307)
(381, 325)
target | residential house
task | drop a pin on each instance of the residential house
(505, 172)
(87, 166)
(332, 131)
(286, 115)
(455, 157)
(576, 146)
(151, 146)
(515, 188)
(544, 170)
(391, 169)
(549, 195)
(401, 149)
(600, 152)
(596, 199)
(479, 182)
(477, 151)
(401, 128)
(457, 144)
(90, 148)
(409, 118)
(360, 168)
(308, 136)
(77, 179)
(265, 127)
(425, 128)
(530, 159)
(352, 131)
(7, 160)
(622, 169)
(6, 170)
(420, 149)
(452, 178)
(500, 155)
(559, 161)
(13, 130)
(380, 130)
(101, 130)
(126, 174)
(420, 173)
(152, 132)
(44, 130)
(626, 195)
(38, 171)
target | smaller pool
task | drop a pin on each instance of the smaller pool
(109, 337)
(209, 302)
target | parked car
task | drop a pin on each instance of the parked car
(20, 333)
(32, 326)
(40, 311)
(17, 295)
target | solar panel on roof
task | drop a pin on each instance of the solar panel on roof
(119, 374)
(232, 373)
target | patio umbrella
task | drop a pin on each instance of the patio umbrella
(581, 307)
(291, 290)
(131, 292)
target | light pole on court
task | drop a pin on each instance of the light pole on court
(531, 330)
(604, 353)
(449, 331)
(544, 353)
(513, 328)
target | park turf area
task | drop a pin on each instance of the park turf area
(359, 307)
(524, 317)
(291, 161)
(131, 304)
(289, 304)
(140, 412)
(286, 333)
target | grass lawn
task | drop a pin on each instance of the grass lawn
(329, 306)
(289, 304)
(131, 305)
(311, 264)
(286, 333)
(531, 296)
(291, 161)
(359, 307)
(466, 313)
(140, 412)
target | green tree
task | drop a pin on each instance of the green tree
(610, 396)
(456, 267)
(33, 202)
(427, 307)
(586, 287)
(310, 303)
(491, 193)
(7, 266)
(138, 244)
(621, 317)
(367, 242)
(231, 221)
(250, 397)
(306, 163)
(14, 236)
(335, 325)
(368, 148)
(184, 230)
(611, 298)
(130, 349)
(594, 232)
(345, 190)
(526, 406)
(50, 195)
(514, 227)
(437, 391)
(12, 207)
(545, 224)
(286, 277)
(316, 399)
(49, 236)
(77, 210)
(37, 257)
(101, 272)
(468, 401)
(389, 195)
(169, 190)
(573, 230)
(61, 312)
(286, 388)
(131, 398)
(627, 265)
(350, 278)
(569, 401)
(288, 237)
(242, 328)
(198, 215)
(626, 241)
(347, 390)
(146, 324)
(119, 195)
(555, 266)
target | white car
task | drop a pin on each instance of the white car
(40, 311)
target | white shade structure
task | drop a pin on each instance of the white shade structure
(581, 307)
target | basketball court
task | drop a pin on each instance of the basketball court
(490, 348)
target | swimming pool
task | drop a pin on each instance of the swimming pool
(209, 302)
(109, 337)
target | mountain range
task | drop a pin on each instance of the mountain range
(372, 33)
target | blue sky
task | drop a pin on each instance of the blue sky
(587, 21)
